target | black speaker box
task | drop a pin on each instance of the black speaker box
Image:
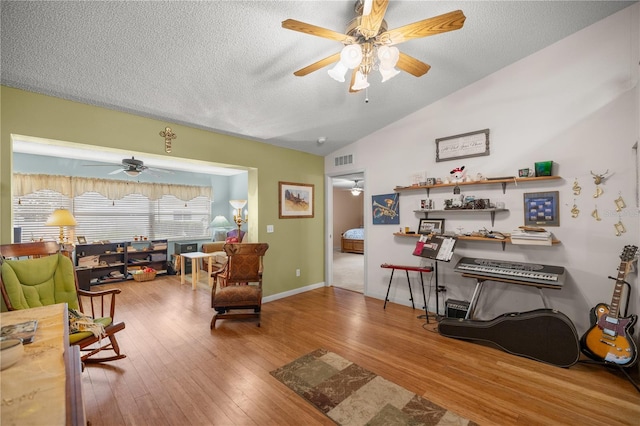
(456, 308)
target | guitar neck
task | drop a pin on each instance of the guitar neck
(614, 311)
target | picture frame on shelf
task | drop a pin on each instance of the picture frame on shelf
(541, 208)
(431, 226)
(295, 200)
(81, 239)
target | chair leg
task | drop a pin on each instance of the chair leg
(213, 322)
(112, 345)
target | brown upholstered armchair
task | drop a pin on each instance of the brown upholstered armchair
(218, 259)
(238, 285)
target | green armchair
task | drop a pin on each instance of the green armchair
(39, 275)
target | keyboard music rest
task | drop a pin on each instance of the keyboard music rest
(530, 273)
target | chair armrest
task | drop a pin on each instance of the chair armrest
(99, 301)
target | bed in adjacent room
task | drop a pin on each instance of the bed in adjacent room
(353, 241)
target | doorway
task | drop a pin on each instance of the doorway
(348, 215)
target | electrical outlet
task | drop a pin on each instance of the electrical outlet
(297, 272)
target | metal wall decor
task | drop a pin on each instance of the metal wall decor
(598, 179)
(168, 135)
(576, 188)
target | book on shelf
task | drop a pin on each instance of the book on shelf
(520, 236)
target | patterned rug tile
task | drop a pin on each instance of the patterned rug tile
(351, 395)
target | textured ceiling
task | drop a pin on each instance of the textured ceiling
(227, 66)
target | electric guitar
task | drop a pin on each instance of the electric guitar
(609, 339)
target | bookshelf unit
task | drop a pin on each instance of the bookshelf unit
(102, 263)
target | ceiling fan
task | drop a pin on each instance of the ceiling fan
(369, 46)
(132, 167)
(357, 189)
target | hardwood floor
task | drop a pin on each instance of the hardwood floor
(179, 372)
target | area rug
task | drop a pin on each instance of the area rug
(350, 395)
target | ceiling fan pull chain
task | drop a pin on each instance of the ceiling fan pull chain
(366, 95)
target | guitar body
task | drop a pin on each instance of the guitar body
(609, 339)
(544, 335)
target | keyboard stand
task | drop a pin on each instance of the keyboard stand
(480, 280)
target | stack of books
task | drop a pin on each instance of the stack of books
(533, 237)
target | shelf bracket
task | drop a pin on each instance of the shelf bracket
(493, 217)
(504, 187)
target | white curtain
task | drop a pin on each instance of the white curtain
(24, 184)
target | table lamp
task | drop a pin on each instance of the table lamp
(237, 216)
(61, 218)
(219, 222)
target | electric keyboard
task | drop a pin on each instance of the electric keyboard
(520, 271)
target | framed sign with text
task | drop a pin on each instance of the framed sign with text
(472, 144)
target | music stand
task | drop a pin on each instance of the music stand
(436, 248)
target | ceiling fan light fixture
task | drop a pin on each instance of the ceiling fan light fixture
(338, 72)
(388, 74)
(132, 173)
(356, 190)
(388, 56)
(351, 55)
(361, 81)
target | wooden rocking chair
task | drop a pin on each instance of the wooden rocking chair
(38, 274)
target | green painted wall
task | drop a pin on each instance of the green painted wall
(295, 244)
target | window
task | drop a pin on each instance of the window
(100, 218)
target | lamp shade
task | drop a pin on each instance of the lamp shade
(361, 81)
(238, 204)
(351, 55)
(220, 222)
(337, 73)
(61, 217)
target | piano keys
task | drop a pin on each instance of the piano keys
(518, 271)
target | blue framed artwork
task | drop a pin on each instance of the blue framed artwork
(541, 209)
(384, 209)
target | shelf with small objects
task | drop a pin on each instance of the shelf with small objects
(485, 181)
(100, 263)
(105, 262)
(470, 205)
(145, 255)
(492, 237)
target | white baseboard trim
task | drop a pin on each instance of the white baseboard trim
(292, 292)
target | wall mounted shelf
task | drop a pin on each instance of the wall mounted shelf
(491, 211)
(479, 239)
(502, 182)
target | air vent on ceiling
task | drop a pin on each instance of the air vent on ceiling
(344, 160)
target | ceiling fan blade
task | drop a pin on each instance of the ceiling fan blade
(292, 24)
(370, 24)
(116, 171)
(431, 26)
(155, 169)
(412, 65)
(317, 65)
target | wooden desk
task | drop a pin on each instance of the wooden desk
(44, 386)
(195, 267)
(480, 279)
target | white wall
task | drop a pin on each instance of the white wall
(576, 103)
